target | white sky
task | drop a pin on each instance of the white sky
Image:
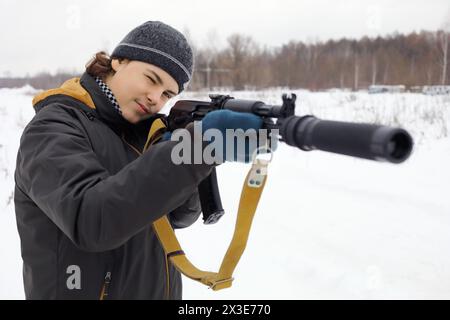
(47, 35)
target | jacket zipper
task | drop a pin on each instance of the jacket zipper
(105, 289)
(167, 278)
(89, 115)
(167, 291)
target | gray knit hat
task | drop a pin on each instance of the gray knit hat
(159, 44)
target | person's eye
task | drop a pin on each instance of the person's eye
(151, 79)
(168, 95)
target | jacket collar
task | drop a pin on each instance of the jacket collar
(105, 111)
(91, 97)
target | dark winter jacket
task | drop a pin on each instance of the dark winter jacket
(85, 200)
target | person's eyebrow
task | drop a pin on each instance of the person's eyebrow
(159, 81)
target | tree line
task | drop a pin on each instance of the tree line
(414, 59)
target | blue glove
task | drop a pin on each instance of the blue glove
(166, 136)
(227, 119)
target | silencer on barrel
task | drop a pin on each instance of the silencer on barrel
(361, 140)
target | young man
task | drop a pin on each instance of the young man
(87, 190)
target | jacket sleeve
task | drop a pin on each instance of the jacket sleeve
(185, 215)
(57, 168)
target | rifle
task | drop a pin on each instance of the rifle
(362, 140)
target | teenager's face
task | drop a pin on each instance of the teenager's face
(141, 89)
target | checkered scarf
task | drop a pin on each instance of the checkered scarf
(108, 94)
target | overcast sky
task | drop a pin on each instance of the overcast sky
(47, 35)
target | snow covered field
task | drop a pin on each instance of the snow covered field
(327, 226)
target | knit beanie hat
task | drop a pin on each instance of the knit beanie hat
(159, 44)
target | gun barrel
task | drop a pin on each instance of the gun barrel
(368, 141)
(251, 106)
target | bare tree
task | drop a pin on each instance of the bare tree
(240, 49)
(443, 39)
(356, 73)
(374, 69)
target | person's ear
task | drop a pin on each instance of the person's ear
(118, 64)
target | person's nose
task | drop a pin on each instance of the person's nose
(154, 97)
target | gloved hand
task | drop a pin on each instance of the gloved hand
(166, 136)
(227, 119)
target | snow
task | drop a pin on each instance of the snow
(327, 226)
